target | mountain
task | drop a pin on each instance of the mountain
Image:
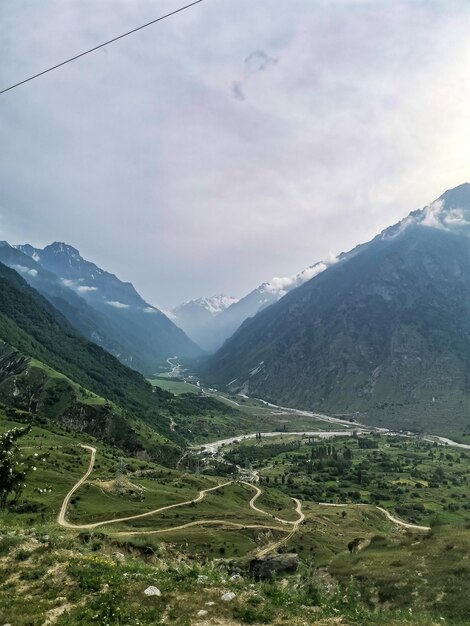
(104, 309)
(384, 332)
(196, 317)
(47, 368)
(209, 324)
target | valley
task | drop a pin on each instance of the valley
(314, 468)
(235, 501)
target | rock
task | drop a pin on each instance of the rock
(202, 579)
(201, 613)
(119, 556)
(267, 567)
(227, 596)
(152, 591)
(210, 603)
(236, 577)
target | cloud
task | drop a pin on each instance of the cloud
(26, 270)
(432, 215)
(86, 289)
(67, 283)
(258, 61)
(455, 217)
(150, 309)
(117, 305)
(286, 283)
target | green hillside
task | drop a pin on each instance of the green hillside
(62, 375)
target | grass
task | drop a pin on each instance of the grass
(89, 582)
(174, 386)
(85, 577)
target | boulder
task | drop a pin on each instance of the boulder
(227, 596)
(152, 591)
(267, 567)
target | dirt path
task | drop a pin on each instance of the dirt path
(392, 518)
(203, 522)
(255, 508)
(400, 522)
(62, 521)
(201, 495)
(295, 527)
(65, 503)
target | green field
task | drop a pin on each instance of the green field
(177, 387)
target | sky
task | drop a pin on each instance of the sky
(233, 142)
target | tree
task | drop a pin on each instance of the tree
(120, 472)
(12, 470)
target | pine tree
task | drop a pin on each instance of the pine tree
(120, 471)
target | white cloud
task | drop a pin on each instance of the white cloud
(67, 283)
(455, 217)
(26, 270)
(86, 289)
(432, 215)
(117, 305)
(150, 309)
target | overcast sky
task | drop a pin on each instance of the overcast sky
(239, 140)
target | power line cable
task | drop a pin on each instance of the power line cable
(102, 45)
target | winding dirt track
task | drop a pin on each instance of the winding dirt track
(400, 522)
(392, 518)
(65, 503)
(63, 522)
(292, 526)
(295, 527)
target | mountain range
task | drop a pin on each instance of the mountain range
(50, 371)
(210, 321)
(103, 308)
(383, 333)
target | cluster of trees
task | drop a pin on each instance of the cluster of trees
(257, 454)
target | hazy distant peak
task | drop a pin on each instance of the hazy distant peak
(59, 247)
(212, 304)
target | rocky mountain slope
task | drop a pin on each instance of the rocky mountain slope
(384, 332)
(104, 309)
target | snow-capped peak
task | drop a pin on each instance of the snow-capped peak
(212, 304)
